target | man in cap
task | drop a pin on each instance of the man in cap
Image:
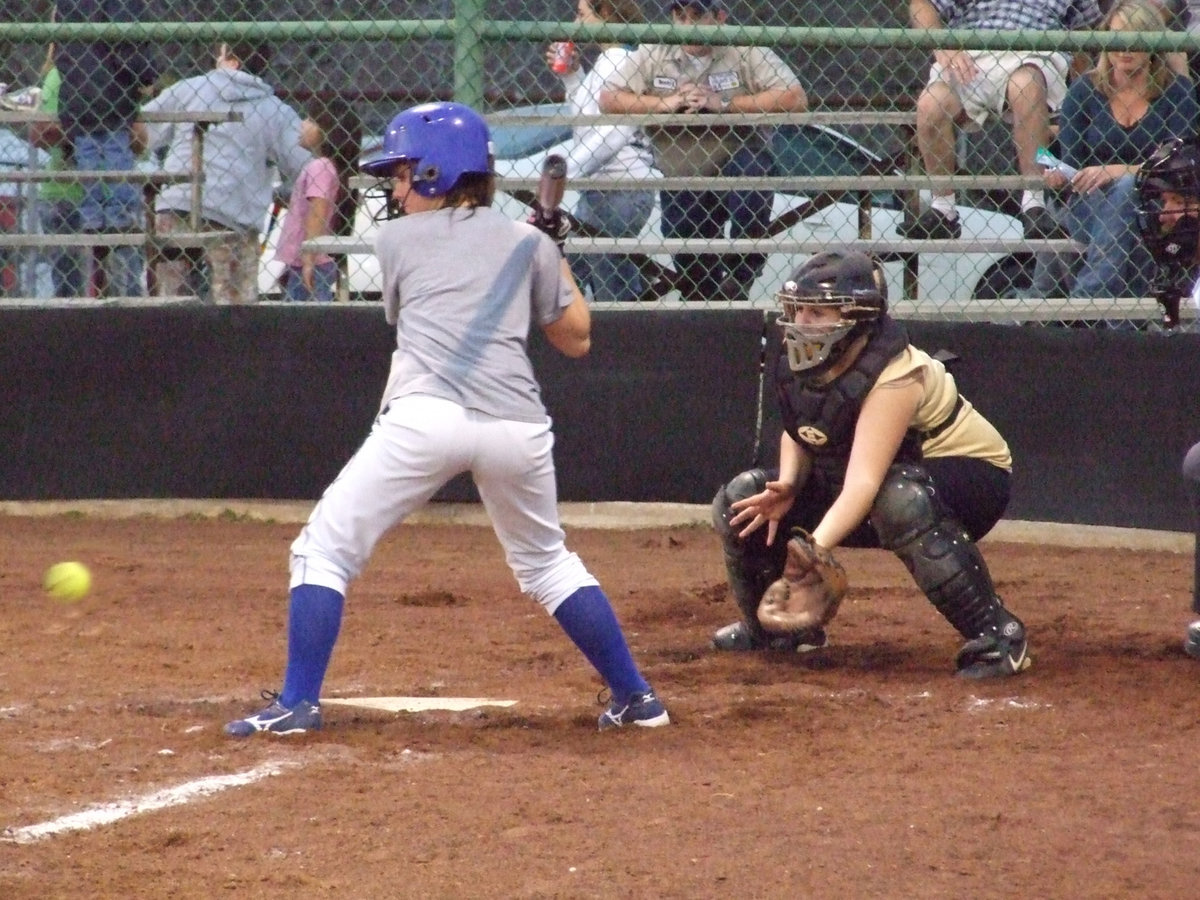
(708, 81)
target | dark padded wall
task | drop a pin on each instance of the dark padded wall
(1098, 420)
(184, 402)
(269, 401)
(660, 409)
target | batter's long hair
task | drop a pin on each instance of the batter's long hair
(473, 189)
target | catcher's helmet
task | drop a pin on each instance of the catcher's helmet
(1173, 168)
(850, 282)
(443, 141)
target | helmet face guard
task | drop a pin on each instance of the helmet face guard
(441, 141)
(1173, 169)
(851, 283)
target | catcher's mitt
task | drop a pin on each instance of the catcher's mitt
(810, 591)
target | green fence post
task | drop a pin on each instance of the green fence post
(469, 15)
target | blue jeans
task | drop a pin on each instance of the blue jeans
(112, 207)
(1117, 263)
(617, 214)
(124, 271)
(324, 283)
(108, 206)
(687, 214)
(68, 272)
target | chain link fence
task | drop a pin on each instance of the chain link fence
(176, 149)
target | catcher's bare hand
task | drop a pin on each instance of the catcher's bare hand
(768, 505)
(810, 591)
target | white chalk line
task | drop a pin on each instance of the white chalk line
(107, 813)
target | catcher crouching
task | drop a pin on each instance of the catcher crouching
(879, 449)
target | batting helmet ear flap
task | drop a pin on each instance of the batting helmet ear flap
(429, 173)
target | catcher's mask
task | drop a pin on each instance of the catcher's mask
(1168, 210)
(442, 141)
(850, 282)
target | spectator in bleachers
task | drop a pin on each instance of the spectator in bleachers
(102, 84)
(705, 81)
(238, 188)
(619, 152)
(968, 86)
(317, 206)
(1177, 16)
(59, 201)
(1113, 118)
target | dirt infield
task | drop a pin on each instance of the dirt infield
(865, 770)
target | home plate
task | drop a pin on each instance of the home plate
(415, 704)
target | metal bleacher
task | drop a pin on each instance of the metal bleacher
(157, 246)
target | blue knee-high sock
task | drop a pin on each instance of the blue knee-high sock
(314, 618)
(588, 619)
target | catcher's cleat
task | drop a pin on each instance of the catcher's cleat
(1191, 646)
(644, 710)
(278, 719)
(995, 655)
(739, 638)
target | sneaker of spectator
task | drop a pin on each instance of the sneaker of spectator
(22, 100)
(931, 225)
(1037, 223)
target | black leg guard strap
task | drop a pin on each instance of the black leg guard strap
(946, 564)
(751, 565)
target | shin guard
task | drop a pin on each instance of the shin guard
(944, 562)
(750, 564)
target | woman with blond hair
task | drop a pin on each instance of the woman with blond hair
(1113, 118)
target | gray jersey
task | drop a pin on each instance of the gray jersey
(461, 330)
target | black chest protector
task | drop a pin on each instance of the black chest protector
(822, 417)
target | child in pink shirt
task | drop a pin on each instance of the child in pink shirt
(314, 201)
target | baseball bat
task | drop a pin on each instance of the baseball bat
(276, 209)
(552, 184)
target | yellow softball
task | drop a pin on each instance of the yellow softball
(67, 581)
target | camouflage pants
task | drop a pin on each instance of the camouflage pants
(224, 273)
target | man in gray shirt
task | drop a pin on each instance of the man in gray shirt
(238, 180)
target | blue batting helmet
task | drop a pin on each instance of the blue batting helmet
(443, 141)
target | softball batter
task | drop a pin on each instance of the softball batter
(462, 285)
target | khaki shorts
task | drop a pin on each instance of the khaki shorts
(986, 95)
(232, 275)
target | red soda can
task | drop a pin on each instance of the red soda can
(564, 56)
